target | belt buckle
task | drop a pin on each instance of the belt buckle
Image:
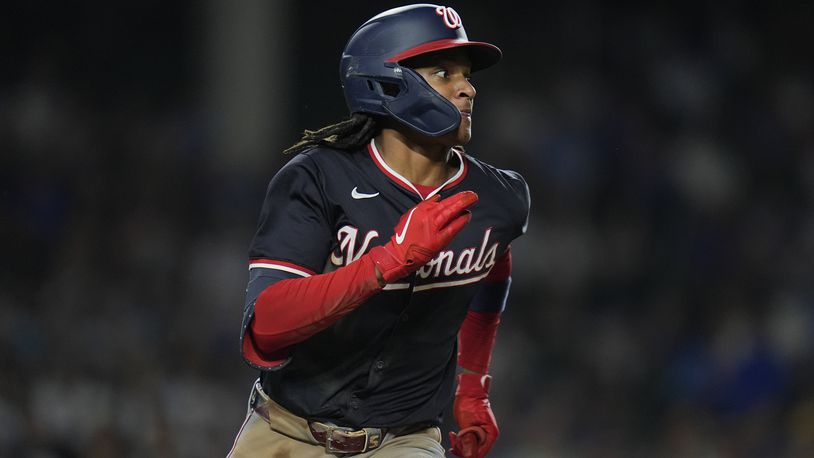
(347, 433)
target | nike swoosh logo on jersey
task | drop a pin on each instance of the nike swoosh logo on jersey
(400, 237)
(360, 195)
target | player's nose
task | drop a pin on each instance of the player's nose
(466, 89)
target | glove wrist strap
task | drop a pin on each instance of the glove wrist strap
(389, 266)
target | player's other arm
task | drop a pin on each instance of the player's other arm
(476, 339)
(290, 311)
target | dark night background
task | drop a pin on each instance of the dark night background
(663, 298)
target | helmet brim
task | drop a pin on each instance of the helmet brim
(482, 55)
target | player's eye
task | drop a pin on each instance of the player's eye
(441, 73)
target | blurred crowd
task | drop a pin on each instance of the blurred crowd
(663, 297)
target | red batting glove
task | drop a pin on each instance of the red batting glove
(479, 429)
(422, 233)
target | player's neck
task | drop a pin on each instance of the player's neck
(422, 163)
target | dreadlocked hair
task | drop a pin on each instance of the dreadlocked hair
(349, 134)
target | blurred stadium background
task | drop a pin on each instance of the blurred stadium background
(663, 300)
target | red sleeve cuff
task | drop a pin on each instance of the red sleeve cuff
(476, 339)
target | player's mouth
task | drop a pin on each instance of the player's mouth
(466, 113)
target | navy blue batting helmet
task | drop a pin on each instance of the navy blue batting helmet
(375, 83)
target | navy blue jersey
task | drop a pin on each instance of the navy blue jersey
(391, 362)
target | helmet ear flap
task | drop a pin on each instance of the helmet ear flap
(422, 108)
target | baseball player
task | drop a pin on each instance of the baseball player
(382, 258)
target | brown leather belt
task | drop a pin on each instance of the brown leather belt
(336, 439)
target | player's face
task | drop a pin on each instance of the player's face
(448, 73)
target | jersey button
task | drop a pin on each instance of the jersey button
(354, 403)
(379, 365)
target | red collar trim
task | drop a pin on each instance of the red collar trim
(405, 183)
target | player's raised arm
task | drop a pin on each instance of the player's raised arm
(289, 311)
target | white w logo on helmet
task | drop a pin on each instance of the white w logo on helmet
(451, 17)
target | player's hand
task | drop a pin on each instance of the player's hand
(474, 415)
(422, 233)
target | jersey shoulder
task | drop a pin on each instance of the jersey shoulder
(314, 165)
(302, 163)
(508, 185)
(326, 157)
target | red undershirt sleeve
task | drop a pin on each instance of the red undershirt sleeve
(476, 338)
(290, 311)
